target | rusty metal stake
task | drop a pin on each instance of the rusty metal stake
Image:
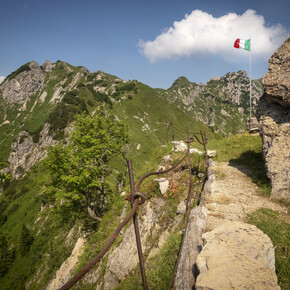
(136, 227)
(204, 142)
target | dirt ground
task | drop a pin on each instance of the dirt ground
(234, 196)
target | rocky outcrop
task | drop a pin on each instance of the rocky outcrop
(277, 80)
(274, 121)
(124, 258)
(236, 256)
(63, 274)
(25, 153)
(25, 83)
(48, 66)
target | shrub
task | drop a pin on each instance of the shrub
(7, 256)
(26, 240)
(3, 219)
(13, 208)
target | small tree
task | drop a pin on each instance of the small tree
(7, 255)
(79, 170)
(26, 239)
(4, 176)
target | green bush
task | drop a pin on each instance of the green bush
(26, 240)
(7, 255)
(3, 219)
(13, 208)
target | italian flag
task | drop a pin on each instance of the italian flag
(243, 43)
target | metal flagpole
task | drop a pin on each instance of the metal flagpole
(250, 89)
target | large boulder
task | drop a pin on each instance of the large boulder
(236, 256)
(273, 113)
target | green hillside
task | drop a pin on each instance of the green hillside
(42, 118)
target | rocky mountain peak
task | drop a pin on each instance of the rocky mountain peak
(48, 66)
(20, 85)
(181, 81)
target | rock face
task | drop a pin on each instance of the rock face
(221, 103)
(27, 81)
(48, 66)
(124, 258)
(63, 274)
(274, 121)
(236, 256)
(26, 153)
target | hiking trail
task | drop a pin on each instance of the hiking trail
(234, 196)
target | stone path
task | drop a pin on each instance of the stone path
(234, 195)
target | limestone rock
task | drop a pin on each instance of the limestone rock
(163, 184)
(161, 168)
(20, 149)
(274, 121)
(166, 158)
(65, 271)
(277, 80)
(26, 153)
(211, 153)
(181, 208)
(179, 146)
(48, 66)
(24, 85)
(124, 258)
(236, 256)
(194, 150)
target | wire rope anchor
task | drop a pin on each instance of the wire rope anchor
(139, 195)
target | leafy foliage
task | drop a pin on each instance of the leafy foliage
(4, 176)
(79, 169)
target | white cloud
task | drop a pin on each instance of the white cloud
(201, 33)
(2, 78)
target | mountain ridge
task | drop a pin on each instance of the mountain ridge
(38, 103)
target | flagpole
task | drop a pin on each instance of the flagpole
(250, 88)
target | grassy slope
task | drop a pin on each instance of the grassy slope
(47, 251)
(156, 112)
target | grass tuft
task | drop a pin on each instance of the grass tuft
(278, 230)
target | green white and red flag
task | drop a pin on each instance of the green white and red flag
(243, 43)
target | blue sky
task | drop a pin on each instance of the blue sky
(154, 42)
